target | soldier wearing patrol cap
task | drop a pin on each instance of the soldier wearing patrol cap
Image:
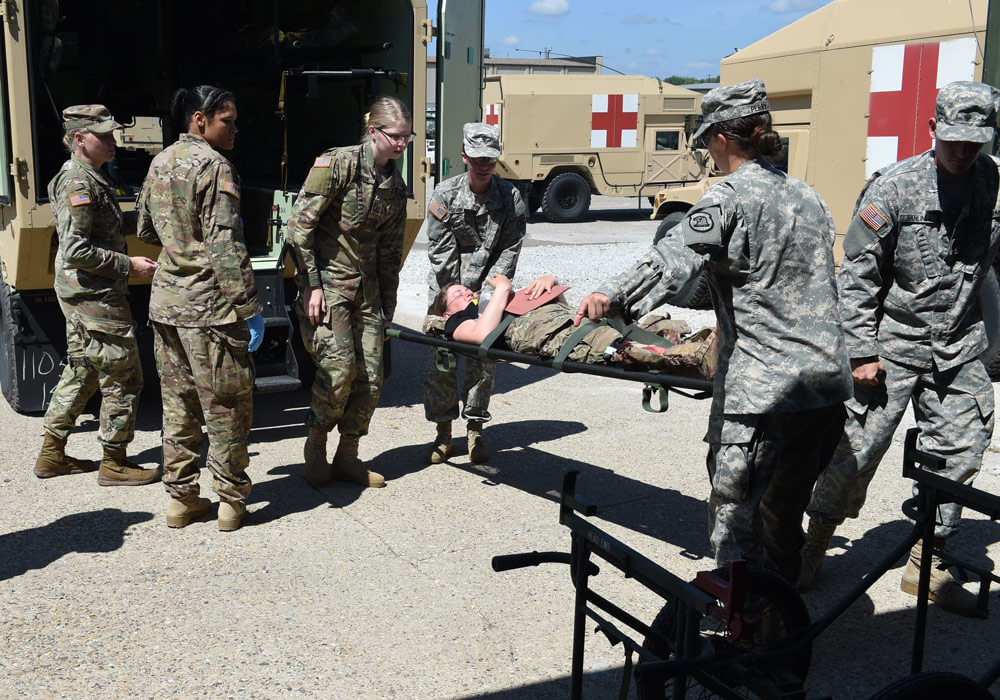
(475, 225)
(924, 233)
(92, 268)
(765, 242)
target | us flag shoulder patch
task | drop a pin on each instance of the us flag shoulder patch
(230, 187)
(80, 198)
(437, 210)
(873, 217)
(322, 162)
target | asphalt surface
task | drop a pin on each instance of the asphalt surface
(339, 592)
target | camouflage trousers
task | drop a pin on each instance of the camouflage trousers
(954, 411)
(346, 347)
(206, 377)
(98, 355)
(441, 393)
(543, 332)
(762, 474)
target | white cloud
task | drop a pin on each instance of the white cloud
(510, 40)
(551, 8)
(652, 52)
(781, 6)
(639, 19)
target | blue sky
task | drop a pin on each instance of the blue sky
(645, 37)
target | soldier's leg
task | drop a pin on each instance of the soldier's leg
(331, 345)
(441, 393)
(76, 385)
(733, 517)
(368, 338)
(477, 388)
(116, 358)
(182, 415)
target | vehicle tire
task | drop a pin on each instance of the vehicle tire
(667, 223)
(529, 196)
(933, 685)
(989, 302)
(566, 198)
(767, 594)
(8, 373)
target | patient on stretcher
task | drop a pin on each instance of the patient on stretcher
(545, 329)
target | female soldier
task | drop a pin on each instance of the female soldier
(346, 228)
(203, 307)
(764, 239)
(91, 283)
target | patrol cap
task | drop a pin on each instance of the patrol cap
(966, 111)
(93, 118)
(732, 102)
(481, 140)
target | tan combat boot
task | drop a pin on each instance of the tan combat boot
(181, 511)
(441, 449)
(231, 515)
(818, 538)
(944, 589)
(314, 451)
(53, 460)
(347, 466)
(116, 470)
(478, 451)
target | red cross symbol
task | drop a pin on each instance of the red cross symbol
(904, 114)
(615, 120)
(493, 114)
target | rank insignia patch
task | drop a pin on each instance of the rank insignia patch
(322, 162)
(437, 210)
(79, 199)
(231, 188)
(873, 217)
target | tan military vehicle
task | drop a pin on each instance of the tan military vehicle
(303, 73)
(566, 137)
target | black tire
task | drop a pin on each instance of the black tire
(8, 370)
(933, 685)
(529, 196)
(667, 223)
(989, 302)
(769, 595)
(566, 198)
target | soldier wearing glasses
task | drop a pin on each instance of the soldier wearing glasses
(475, 225)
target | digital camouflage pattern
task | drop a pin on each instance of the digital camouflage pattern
(346, 231)
(190, 205)
(915, 256)
(468, 241)
(481, 140)
(91, 283)
(206, 376)
(966, 111)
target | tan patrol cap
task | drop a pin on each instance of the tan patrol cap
(94, 118)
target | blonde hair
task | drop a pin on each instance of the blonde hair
(67, 140)
(385, 110)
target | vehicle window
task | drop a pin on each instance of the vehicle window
(668, 140)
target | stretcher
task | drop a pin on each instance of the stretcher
(655, 391)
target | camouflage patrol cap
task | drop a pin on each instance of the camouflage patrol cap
(481, 140)
(93, 118)
(732, 102)
(966, 111)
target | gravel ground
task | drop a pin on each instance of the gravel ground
(348, 593)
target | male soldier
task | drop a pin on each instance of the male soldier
(475, 225)
(91, 282)
(924, 233)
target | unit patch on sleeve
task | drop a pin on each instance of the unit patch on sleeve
(322, 162)
(230, 187)
(80, 198)
(873, 217)
(437, 210)
(701, 221)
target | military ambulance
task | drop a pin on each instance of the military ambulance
(566, 137)
(303, 73)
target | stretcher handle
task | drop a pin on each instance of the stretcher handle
(506, 562)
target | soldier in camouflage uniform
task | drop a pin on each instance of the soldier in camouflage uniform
(765, 241)
(346, 230)
(203, 306)
(475, 225)
(924, 234)
(92, 268)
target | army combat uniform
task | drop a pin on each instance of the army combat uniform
(203, 293)
(91, 283)
(346, 230)
(765, 240)
(469, 238)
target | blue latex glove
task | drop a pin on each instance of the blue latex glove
(256, 324)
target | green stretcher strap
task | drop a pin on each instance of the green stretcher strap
(488, 341)
(585, 327)
(444, 359)
(662, 403)
(638, 334)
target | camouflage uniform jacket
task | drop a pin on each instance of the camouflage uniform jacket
(92, 264)
(909, 286)
(347, 225)
(190, 205)
(765, 240)
(467, 242)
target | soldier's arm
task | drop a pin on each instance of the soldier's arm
(76, 220)
(510, 237)
(442, 248)
(225, 247)
(390, 258)
(144, 223)
(310, 204)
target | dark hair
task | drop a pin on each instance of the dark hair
(440, 304)
(206, 99)
(752, 134)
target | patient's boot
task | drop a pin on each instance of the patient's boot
(944, 589)
(314, 452)
(442, 447)
(818, 538)
(478, 450)
(347, 466)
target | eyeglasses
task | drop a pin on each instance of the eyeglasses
(483, 162)
(397, 138)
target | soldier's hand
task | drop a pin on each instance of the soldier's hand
(868, 371)
(315, 305)
(540, 286)
(501, 283)
(594, 307)
(141, 266)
